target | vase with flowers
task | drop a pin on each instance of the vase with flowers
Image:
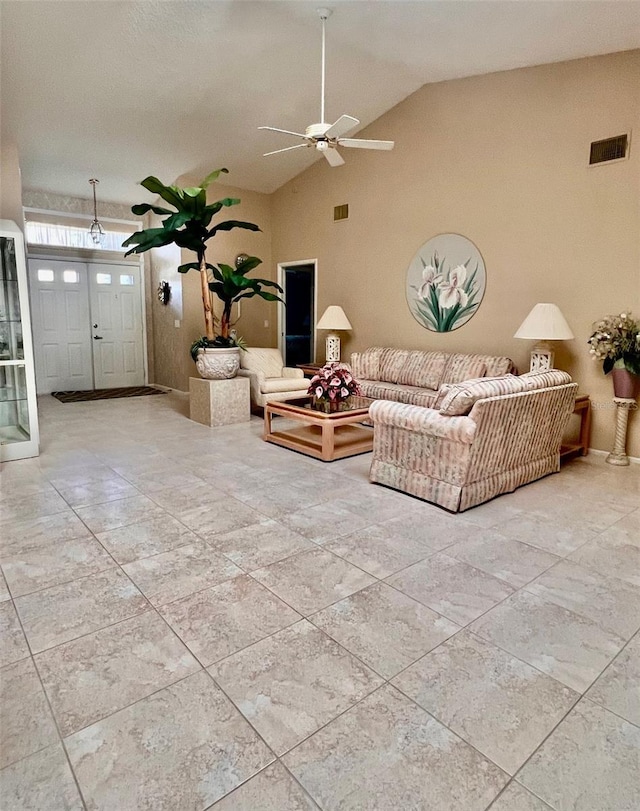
(332, 385)
(616, 342)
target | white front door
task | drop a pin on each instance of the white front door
(116, 321)
(61, 325)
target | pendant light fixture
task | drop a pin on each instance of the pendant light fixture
(96, 232)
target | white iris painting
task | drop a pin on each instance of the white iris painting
(445, 282)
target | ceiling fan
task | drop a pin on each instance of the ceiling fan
(327, 137)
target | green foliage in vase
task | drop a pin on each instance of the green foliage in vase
(615, 341)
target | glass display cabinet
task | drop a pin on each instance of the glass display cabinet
(19, 437)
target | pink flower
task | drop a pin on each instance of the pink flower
(333, 382)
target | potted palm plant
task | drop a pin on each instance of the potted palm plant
(189, 226)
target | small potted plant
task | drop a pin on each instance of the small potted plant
(189, 226)
(332, 385)
(616, 342)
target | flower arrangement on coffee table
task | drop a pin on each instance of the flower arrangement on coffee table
(333, 384)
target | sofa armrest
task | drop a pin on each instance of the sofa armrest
(422, 420)
(255, 381)
(519, 428)
(289, 371)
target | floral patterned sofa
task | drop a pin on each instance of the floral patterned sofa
(485, 437)
(413, 376)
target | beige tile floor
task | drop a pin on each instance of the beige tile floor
(192, 619)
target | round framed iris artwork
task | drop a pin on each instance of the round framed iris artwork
(445, 282)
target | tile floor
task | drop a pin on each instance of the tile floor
(194, 619)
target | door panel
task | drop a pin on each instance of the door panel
(116, 315)
(61, 326)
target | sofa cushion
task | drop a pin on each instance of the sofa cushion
(445, 388)
(422, 397)
(459, 399)
(274, 384)
(545, 380)
(376, 389)
(398, 393)
(262, 361)
(461, 367)
(391, 363)
(423, 369)
(366, 365)
(498, 366)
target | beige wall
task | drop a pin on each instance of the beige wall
(172, 363)
(502, 159)
(10, 185)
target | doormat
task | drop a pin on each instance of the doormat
(104, 394)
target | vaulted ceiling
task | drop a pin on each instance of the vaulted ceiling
(119, 90)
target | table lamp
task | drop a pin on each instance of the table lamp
(333, 319)
(544, 323)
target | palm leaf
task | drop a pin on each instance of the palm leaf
(212, 176)
(142, 208)
(151, 238)
(228, 225)
(170, 194)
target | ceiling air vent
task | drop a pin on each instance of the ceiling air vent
(610, 149)
(341, 212)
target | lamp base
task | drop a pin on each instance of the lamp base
(332, 348)
(542, 357)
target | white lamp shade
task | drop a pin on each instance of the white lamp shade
(545, 323)
(334, 318)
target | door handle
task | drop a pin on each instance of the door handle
(97, 337)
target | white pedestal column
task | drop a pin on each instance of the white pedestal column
(618, 455)
(219, 402)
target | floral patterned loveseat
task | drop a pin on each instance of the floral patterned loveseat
(487, 437)
(414, 376)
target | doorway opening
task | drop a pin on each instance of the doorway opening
(297, 317)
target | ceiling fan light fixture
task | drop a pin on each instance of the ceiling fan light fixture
(326, 137)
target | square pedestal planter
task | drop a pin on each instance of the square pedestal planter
(219, 402)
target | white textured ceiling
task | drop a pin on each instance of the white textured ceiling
(119, 90)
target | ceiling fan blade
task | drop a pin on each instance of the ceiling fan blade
(362, 143)
(333, 157)
(286, 132)
(286, 149)
(341, 126)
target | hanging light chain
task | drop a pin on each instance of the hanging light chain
(96, 231)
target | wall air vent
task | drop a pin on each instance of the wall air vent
(341, 212)
(610, 149)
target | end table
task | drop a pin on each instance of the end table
(581, 447)
(309, 369)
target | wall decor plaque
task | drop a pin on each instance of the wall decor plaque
(446, 281)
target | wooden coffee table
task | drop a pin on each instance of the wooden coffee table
(323, 435)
